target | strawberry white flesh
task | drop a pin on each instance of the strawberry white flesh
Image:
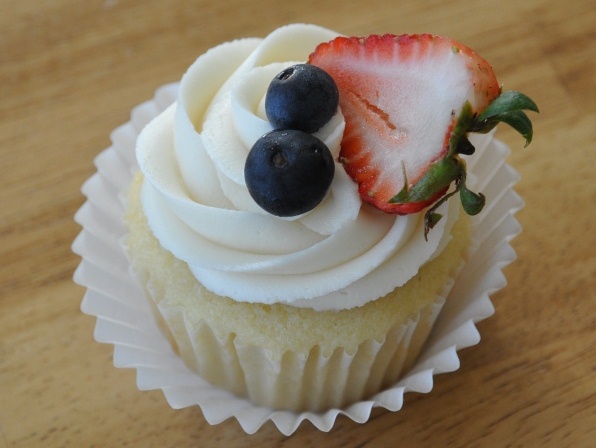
(401, 96)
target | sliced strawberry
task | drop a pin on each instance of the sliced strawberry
(402, 97)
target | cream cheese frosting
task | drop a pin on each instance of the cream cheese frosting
(342, 254)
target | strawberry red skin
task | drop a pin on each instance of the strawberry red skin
(360, 94)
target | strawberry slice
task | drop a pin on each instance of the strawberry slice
(409, 102)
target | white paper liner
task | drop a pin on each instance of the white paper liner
(125, 318)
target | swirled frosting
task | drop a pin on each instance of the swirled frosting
(340, 255)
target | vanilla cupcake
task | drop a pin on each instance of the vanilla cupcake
(323, 307)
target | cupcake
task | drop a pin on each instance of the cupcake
(303, 266)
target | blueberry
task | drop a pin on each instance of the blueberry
(302, 97)
(288, 172)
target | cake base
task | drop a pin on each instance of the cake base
(283, 357)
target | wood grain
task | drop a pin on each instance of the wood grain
(71, 71)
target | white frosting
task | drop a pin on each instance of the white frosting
(340, 255)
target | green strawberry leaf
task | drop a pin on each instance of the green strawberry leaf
(430, 220)
(507, 102)
(507, 108)
(403, 195)
(465, 147)
(473, 203)
(462, 126)
(519, 121)
(433, 219)
(437, 177)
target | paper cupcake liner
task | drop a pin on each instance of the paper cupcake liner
(126, 320)
(311, 380)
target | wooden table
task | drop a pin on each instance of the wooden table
(71, 71)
